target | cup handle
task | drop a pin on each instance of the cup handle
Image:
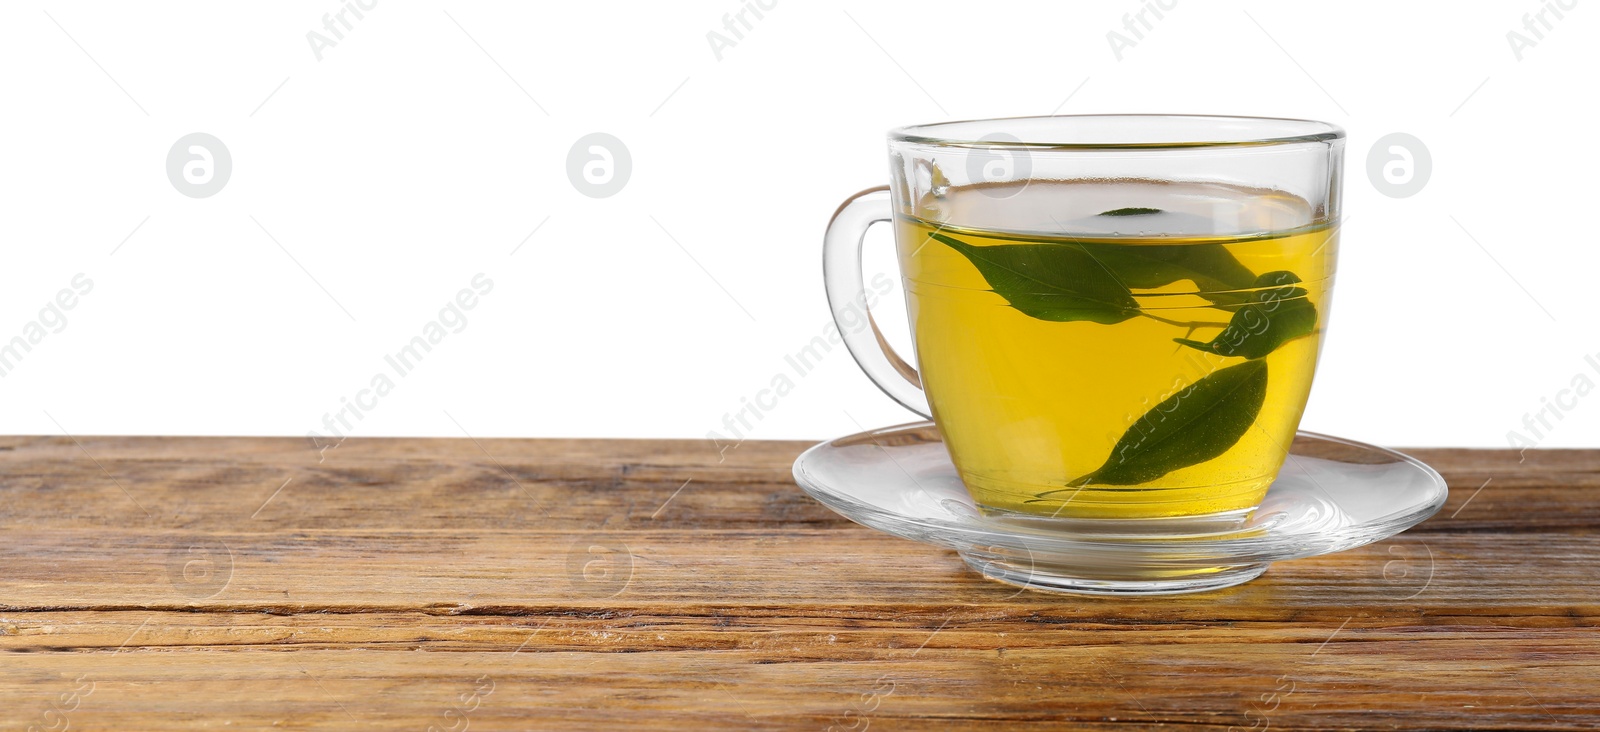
(841, 276)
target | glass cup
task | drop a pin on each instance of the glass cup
(1113, 316)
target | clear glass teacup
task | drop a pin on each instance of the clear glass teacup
(1113, 316)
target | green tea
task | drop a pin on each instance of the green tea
(1124, 348)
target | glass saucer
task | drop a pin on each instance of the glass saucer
(1331, 495)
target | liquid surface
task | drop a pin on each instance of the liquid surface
(1116, 348)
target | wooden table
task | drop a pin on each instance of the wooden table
(498, 584)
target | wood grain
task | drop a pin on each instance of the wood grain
(260, 583)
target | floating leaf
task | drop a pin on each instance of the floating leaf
(1276, 314)
(1058, 282)
(1190, 427)
(1211, 267)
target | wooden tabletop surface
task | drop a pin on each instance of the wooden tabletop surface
(256, 583)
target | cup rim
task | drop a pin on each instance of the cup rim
(1206, 131)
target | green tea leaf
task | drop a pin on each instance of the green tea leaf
(1277, 314)
(1070, 280)
(1057, 282)
(1190, 427)
(1211, 267)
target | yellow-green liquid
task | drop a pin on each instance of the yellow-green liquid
(1029, 406)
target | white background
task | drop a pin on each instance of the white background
(415, 154)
